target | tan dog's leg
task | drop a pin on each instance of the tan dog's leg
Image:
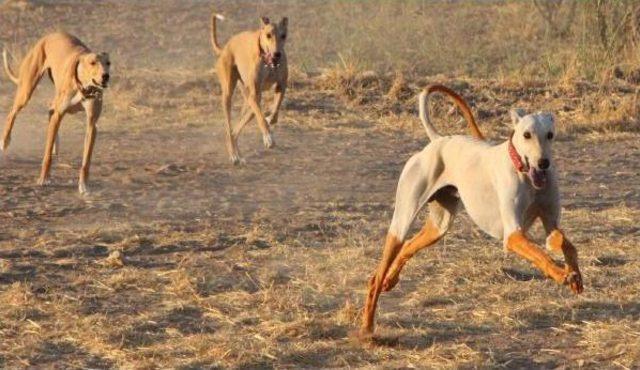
(391, 248)
(254, 104)
(247, 114)
(56, 144)
(23, 93)
(228, 77)
(520, 245)
(52, 132)
(558, 242)
(93, 108)
(277, 101)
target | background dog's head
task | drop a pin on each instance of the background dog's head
(272, 40)
(93, 69)
(532, 138)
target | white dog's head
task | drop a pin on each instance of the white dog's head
(532, 138)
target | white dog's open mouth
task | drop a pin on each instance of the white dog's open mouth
(538, 177)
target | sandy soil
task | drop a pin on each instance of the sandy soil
(265, 265)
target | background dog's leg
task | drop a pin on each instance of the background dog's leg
(247, 114)
(56, 144)
(23, 94)
(277, 101)
(52, 132)
(93, 108)
(254, 103)
(228, 77)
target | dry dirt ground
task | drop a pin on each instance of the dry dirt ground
(265, 265)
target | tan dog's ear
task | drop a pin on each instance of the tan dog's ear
(516, 115)
(264, 21)
(75, 66)
(284, 23)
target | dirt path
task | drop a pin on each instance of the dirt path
(265, 265)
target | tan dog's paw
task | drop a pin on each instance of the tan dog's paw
(272, 120)
(44, 181)
(82, 188)
(5, 144)
(236, 160)
(574, 280)
(268, 141)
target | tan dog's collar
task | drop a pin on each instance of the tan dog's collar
(89, 92)
(263, 56)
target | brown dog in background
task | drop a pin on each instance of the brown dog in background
(258, 60)
(79, 76)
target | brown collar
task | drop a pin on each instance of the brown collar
(515, 157)
(89, 92)
(263, 55)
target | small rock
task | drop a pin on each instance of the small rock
(115, 259)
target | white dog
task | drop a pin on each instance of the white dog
(503, 187)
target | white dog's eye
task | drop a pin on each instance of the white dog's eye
(527, 135)
(550, 136)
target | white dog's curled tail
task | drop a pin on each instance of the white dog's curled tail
(7, 68)
(214, 39)
(423, 99)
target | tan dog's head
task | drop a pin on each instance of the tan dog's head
(93, 70)
(532, 138)
(272, 40)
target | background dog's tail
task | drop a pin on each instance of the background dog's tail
(214, 39)
(7, 68)
(459, 102)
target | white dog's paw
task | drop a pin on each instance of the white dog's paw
(268, 141)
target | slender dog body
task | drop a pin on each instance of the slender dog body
(256, 59)
(503, 187)
(79, 77)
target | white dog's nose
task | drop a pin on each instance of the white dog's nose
(543, 163)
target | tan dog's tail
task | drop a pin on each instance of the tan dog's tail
(7, 68)
(457, 99)
(214, 39)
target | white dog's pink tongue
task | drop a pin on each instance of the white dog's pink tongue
(539, 178)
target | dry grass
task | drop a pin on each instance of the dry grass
(179, 261)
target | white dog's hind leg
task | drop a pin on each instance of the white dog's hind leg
(441, 213)
(409, 199)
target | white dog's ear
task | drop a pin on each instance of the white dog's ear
(548, 117)
(264, 21)
(517, 114)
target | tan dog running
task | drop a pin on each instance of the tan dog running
(258, 60)
(504, 188)
(79, 77)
